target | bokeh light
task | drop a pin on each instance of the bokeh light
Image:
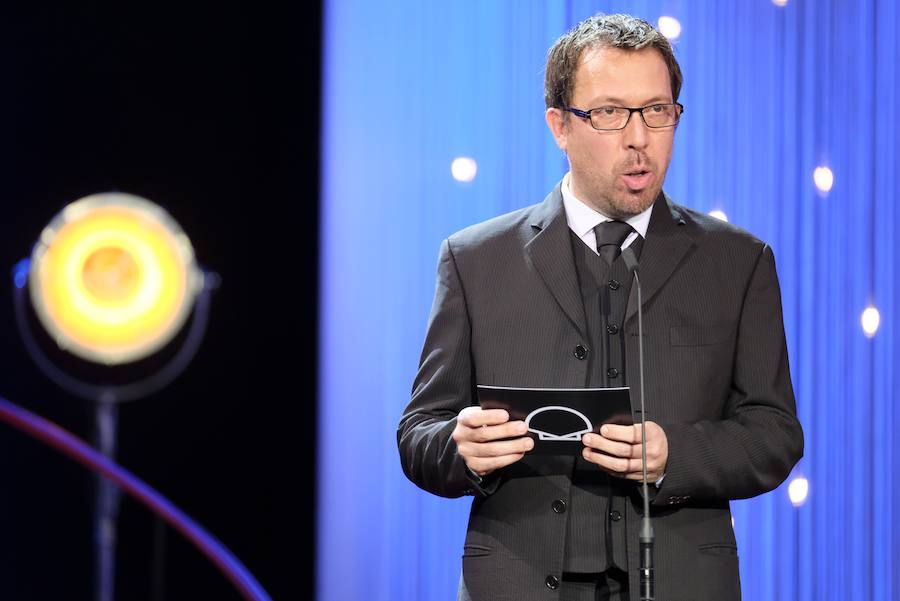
(464, 169)
(824, 179)
(669, 27)
(798, 490)
(870, 321)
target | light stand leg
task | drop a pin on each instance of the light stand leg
(159, 560)
(106, 398)
(106, 510)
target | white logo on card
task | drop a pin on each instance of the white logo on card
(549, 436)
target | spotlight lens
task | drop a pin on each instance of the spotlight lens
(111, 274)
(113, 278)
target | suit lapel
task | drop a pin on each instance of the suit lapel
(665, 246)
(550, 252)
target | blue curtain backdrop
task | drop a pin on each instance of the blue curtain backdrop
(771, 93)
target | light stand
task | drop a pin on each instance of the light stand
(106, 399)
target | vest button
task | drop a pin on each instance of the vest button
(614, 285)
(612, 329)
(559, 506)
(612, 372)
(580, 352)
(552, 582)
(615, 515)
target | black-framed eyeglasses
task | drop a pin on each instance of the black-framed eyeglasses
(610, 118)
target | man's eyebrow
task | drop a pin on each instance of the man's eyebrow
(613, 101)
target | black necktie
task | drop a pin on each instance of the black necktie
(610, 236)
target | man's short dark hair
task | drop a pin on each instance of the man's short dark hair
(615, 31)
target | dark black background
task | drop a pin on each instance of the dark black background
(210, 110)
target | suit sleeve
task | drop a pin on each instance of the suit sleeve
(752, 449)
(443, 387)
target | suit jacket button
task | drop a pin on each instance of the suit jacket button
(552, 582)
(612, 372)
(580, 352)
(615, 515)
(559, 506)
(612, 328)
(614, 284)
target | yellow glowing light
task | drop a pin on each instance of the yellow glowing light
(113, 278)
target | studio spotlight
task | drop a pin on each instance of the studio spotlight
(113, 278)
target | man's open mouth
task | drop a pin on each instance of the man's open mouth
(637, 179)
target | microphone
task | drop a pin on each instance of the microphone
(646, 537)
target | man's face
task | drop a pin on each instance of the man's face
(618, 173)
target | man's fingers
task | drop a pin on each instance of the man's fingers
(622, 467)
(485, 457)
(475, 417)
(629, 434)
(497, 448)
(485, 465)
(507, 430)
(618, 466)
(488, 433)
(610, 447)
(475, 424)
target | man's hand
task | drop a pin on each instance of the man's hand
(479, 435)
(620, 451)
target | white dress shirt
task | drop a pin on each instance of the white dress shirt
(582, 219)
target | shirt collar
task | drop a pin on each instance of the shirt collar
(583, 219)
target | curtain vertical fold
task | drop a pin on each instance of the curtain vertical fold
(771, 93)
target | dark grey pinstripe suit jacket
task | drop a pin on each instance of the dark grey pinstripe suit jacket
(508, 311)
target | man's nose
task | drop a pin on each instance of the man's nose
(635, 134)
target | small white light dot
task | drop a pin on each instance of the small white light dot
(871, 318)
(780, 2)
(824, 179)
(732, 522)
(719, 214)
(464, 169)
(669, 27)
(798, 490)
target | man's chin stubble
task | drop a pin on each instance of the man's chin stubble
(629, 207)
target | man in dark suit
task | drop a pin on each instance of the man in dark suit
(542, 298)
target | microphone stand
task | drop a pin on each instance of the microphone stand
(646, 537)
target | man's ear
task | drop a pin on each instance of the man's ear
(556, 121)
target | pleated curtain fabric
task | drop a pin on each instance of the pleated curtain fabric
(771, 94)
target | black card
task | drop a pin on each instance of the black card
(557, 418)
